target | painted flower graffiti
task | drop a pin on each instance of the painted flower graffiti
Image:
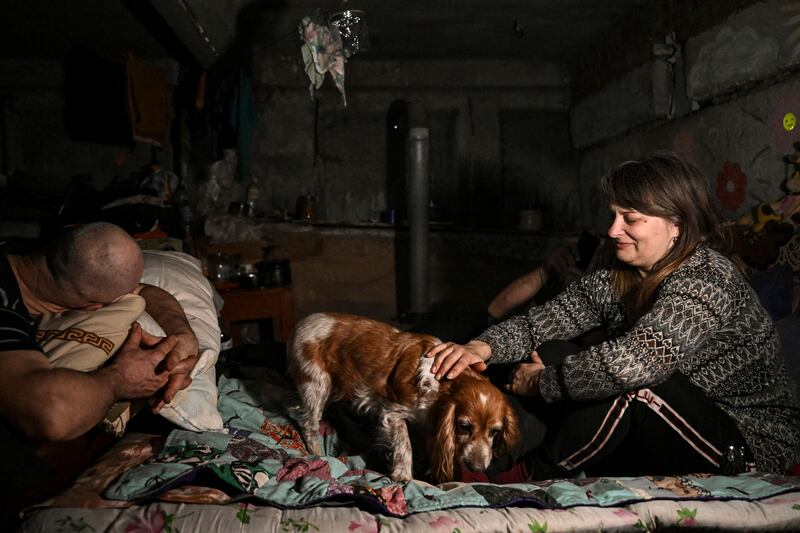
(731, 185)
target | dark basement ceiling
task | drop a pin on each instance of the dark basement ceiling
(476, 29)
(555, 30)
(580, 33)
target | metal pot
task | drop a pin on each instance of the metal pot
(274, 273)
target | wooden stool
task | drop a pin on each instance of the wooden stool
(250, 305)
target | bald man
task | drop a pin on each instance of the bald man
(85, 268)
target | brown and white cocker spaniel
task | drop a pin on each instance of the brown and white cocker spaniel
(383, 371)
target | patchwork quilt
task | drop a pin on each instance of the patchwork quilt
(263, 459)
(259, 474)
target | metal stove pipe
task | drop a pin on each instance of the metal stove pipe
(418, 224)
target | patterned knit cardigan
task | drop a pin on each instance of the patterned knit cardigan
(706, 323)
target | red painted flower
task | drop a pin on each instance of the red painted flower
(731, 185)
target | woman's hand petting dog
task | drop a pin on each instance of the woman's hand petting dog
(450, 359)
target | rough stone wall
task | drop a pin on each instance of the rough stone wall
(339, 154)
(740, 82)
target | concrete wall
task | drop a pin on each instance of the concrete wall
(499, 138)
(740, 81)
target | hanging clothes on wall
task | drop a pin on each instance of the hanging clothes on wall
(148, 101)
(95, 107)
(322, 52)
(231, 116)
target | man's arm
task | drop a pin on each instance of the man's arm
(518, 292)
(46, 403)
(559, 263)
(166, 310)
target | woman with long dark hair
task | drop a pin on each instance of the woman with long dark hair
(691, 376)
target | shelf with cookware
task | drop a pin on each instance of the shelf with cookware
(358, 268)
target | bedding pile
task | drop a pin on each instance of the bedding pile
(259, 471)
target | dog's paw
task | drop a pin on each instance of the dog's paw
(313, 442)
(402, 474)
(315, 447)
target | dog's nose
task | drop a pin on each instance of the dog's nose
(477, 464)
(473, 467)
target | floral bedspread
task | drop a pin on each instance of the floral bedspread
(258, 477)
(776, 513)
(263, 460)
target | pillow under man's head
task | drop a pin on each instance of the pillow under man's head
(82, 340)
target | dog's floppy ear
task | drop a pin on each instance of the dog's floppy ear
(443, 442)
(510, 434)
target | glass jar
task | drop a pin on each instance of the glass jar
(220, 267)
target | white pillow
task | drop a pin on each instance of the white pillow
(194, 408)
(85, 340)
